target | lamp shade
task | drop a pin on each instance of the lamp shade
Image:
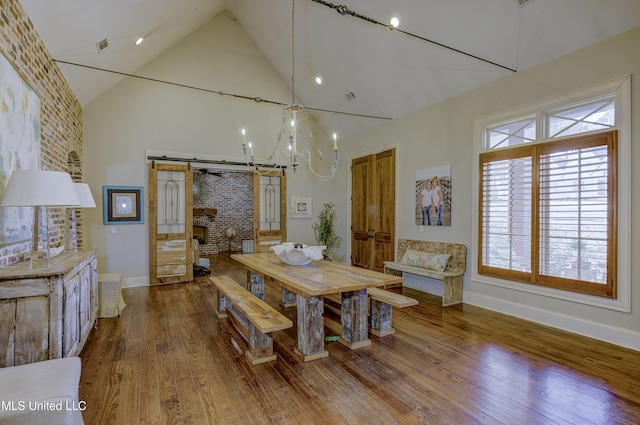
(33, 188)
(84, 194)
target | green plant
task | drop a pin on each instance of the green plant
(325, 230)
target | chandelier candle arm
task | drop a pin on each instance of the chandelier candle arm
(290, 112)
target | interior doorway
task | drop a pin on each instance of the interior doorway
(373, 206)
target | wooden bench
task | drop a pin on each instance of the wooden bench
(452, 277)
(381, 303)
(254, 319)
(380, 309)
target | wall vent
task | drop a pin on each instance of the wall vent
(102, 45)
(522, 3)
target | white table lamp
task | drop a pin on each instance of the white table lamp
(40, 188)
(86, 201)
(84, 194)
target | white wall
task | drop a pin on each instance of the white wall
(138, 115)
(443, 134)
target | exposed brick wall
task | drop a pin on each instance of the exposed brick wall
(61, 113)
(231, 194)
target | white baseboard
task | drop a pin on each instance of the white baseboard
(614, 335)
(132, 282)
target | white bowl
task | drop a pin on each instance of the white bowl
(295, 258)
(297, 254)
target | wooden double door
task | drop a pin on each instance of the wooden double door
(373, 210)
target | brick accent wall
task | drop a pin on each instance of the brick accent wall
(60, 116)
(231, 194)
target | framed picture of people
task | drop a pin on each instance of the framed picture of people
(433, 196)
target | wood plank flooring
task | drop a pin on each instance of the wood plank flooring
(168, 360)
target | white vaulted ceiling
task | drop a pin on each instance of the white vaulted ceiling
(390, 73)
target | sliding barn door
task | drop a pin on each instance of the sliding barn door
(373, 210)
(170, 223)
(269, 210)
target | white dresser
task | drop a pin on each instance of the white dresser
(47, 312)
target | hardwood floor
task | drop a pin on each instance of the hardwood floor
(168, 359)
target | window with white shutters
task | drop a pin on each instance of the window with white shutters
(547, 203)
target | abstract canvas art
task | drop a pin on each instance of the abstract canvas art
(19, 146)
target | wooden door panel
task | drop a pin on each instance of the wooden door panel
(360, 236)
(171, 270)
(385, 206)
(373, 210)
(269, 210)
(172, 257)
(170, 223)
(360, 213)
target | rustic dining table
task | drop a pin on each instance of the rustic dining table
(305, 286)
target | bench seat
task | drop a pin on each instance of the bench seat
(254, 319)
(381, 303)
(452, 277)
(380, 308)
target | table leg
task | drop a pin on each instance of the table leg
(255, 284)
(288, 299)
(354, 320)
(311, 328)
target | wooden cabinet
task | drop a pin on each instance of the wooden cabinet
(47, 312)
(70, 315)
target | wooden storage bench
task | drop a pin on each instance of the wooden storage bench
(254, 319)
(452, 277)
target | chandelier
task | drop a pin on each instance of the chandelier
(291, 157)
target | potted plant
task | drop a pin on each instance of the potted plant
(325, 230)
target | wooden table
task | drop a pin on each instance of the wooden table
(305, 286)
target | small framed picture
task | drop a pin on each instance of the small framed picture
(123, 204)
(300, 207)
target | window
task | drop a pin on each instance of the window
(548, 202)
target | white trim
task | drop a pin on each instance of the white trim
(622, 87)
(612, 334)
(350, 158)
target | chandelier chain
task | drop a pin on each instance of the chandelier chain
(278, 156)
(293, 52)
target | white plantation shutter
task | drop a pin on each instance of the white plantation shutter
(506, 218)
(548, 214)
(549, 210)
(574, 211)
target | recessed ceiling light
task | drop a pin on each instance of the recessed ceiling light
(395, 22)
(318, 80)
(139, 41)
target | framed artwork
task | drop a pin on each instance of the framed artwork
(19, 146)
(433, 196)
(123, 204)
(300, 207)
